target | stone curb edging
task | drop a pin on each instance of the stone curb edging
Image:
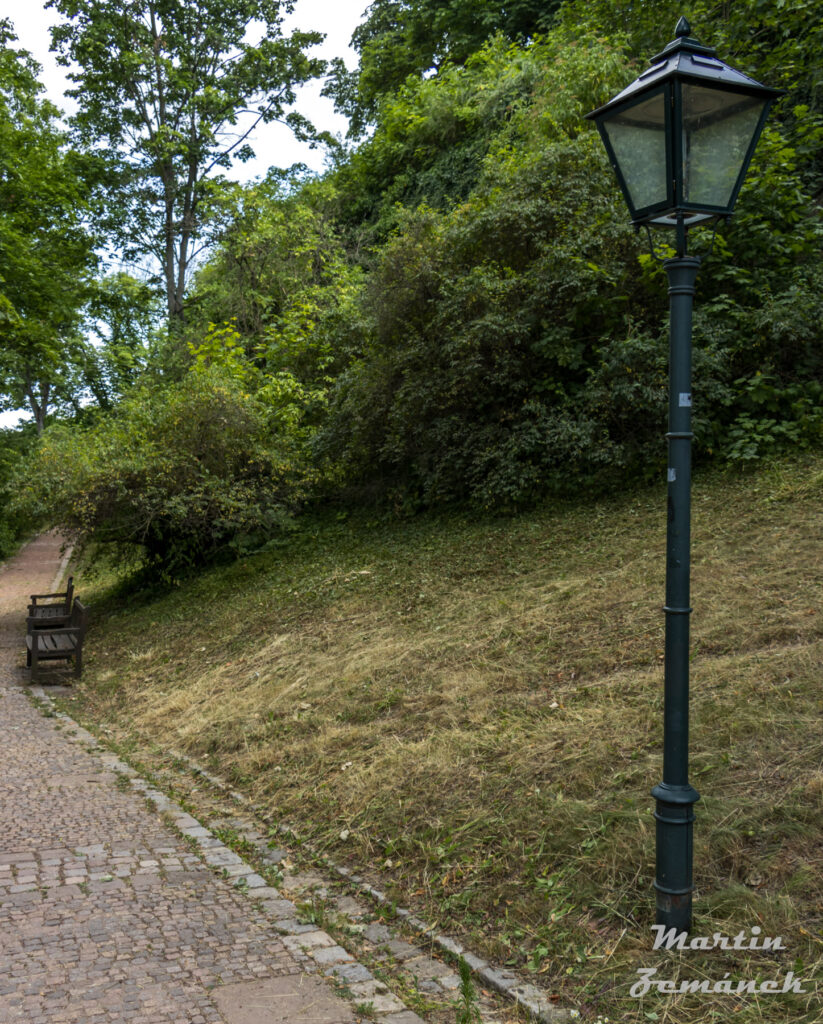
(531, 998)
(61, 571)
(311, 946)
(304, 941)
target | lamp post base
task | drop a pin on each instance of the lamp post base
(675, 819)
(674, 910)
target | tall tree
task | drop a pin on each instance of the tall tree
(46, 253)
(170, 92)
(399, 38)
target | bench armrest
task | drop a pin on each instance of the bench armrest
(62, 631)
(42, 597)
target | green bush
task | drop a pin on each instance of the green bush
(518, 335)
(16, 447)
(175, 478)
(489, 319)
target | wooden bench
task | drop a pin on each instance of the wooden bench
(51, 610)
(65, 643)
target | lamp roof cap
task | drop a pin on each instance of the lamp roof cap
(686, 58)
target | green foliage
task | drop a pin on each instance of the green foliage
(176, 477)
(402, 39)
(489, 318)
(518, 340)
(435, 134)
(162, 87)
(468, 1012)
(46, 252)
(771, 362)
(223, 346)
(456, 312)
(282, 277)
(123, 313)
(16, 446)
(290, 293)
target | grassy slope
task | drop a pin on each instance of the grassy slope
(478, 705)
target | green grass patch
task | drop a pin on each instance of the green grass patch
(471, 711)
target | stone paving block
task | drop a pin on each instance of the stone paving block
(195, 831)
(385, 1004)
(363, 990)
(348, 973)
(474, 962)
(302, 881)
(449, 944)
(501, 980)
(107, 886)
(351, 908)
(331, 955)
(538, 1004)
(427, 969)
(378, 933)
(273, 856)
(290, 1000)
(229, 870)
(270, 894)
(291, 926)
(310, 940)
(185, 820)
(449, 982)
(254, 881)
(401, 950)
(222, 857)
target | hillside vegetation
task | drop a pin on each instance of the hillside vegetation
(470, 710)
(456, 315)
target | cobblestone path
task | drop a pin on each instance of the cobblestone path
(106, 915)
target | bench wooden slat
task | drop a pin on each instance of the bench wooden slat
(48, 645)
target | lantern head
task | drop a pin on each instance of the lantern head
(681, 136)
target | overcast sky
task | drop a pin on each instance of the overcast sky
(274, 144)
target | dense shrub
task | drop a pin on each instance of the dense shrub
(489, 319)
(16, 447)
(176, 477)
(519, 339)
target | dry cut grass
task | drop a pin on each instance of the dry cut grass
(472, 711)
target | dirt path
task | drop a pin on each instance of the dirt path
(107, 914)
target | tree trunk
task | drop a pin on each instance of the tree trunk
(38, 403)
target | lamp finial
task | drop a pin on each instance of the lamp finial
(683, 29)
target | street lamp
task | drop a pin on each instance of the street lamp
(680, 139)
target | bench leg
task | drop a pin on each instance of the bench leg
(78, 662)
(33, 660)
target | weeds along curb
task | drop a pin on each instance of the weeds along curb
(529, 997)
(314, 949)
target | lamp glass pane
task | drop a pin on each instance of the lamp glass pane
(718, 128)
(638, 139)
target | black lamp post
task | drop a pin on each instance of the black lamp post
(680, 139)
